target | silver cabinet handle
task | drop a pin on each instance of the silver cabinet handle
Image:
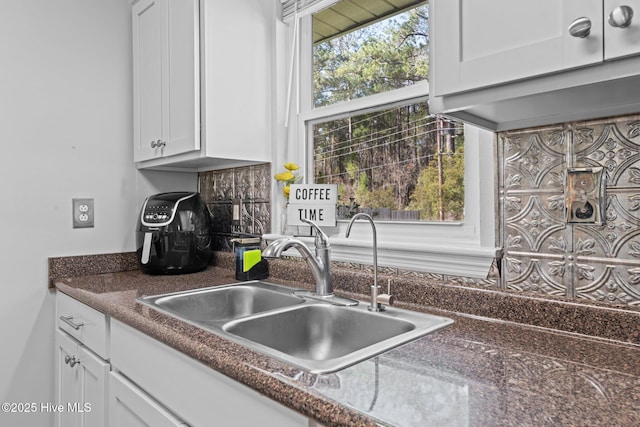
(69, 321)
(620, 17)
(581, 27)
(71, 361)
(159, 143)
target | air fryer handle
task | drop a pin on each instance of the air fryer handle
(146, 248)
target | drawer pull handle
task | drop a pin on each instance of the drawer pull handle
(68, 320)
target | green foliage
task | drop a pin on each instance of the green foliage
(426, 197)
(382, 197)
(385, 56)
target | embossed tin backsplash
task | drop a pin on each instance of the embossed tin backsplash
(545, 254)
(252, 186)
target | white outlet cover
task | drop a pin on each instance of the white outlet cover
(82, 213)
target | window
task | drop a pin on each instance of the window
(359, 117)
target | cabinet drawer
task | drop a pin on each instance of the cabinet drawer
(82, 322)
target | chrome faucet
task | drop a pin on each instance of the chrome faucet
(376, 297)
(320, 264)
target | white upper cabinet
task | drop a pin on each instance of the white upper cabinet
(622, 28)
(532, 37)
(166, 78)
(203, 83)
(508, 63)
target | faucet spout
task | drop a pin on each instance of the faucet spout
(375, 289)
(375, 241)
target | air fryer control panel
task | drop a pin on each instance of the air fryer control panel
(157, 211)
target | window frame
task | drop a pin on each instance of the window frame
(465, 248)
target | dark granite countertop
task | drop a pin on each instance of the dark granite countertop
(477, 372)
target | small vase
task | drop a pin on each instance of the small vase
(283, 220)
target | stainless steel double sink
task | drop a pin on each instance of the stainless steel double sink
(312, 335)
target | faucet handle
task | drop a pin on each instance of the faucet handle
(322, 240)
(386, 299)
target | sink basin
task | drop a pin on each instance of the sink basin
(309, 334)
(319, 332)
(323, 338)
(219, 304)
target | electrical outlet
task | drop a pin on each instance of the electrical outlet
(82, 213)
(236, 212)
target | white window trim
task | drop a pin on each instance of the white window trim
(463, 248)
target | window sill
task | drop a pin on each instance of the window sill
(456, 257)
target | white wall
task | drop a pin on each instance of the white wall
(65, 132)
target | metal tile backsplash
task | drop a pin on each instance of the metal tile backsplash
(542, 252)
(250, 184)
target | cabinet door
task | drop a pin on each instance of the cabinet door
(129, 406)
(80, 384)
(479, 43)
(67, 379)
(181, 101)
(149, 41)
(190, 389)
(621, 41)
(91, 406)
(166, 78)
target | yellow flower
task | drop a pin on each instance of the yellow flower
(288, 177)
(284, 176)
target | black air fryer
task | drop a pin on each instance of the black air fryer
(174, 234)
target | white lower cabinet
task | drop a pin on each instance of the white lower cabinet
(131, 407)
(81, 378)
(196, 394)
(81, 374)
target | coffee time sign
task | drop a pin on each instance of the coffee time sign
(314, 202)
